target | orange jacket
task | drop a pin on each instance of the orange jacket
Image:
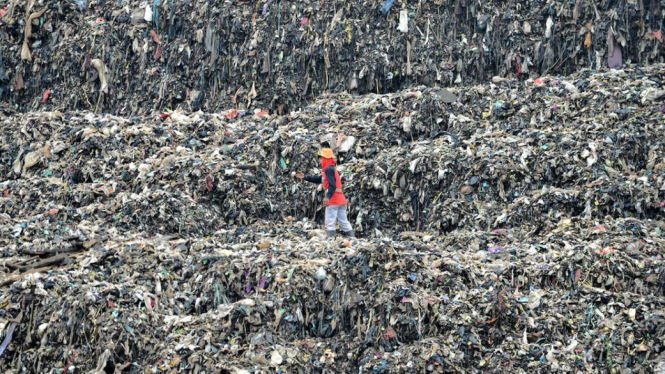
(333, 187)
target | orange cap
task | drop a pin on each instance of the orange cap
(326, 153)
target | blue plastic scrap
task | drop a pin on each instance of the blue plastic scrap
(155, 14)
(8, 338)
(82, 4)
(386, 6)
(265, 7)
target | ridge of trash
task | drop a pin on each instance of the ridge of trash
(137, 57)
(511, 226)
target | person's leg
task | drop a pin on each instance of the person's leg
(344, 221)
(331, 220)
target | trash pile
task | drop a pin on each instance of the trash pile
(557, 304)
(513, 226)
(136, 57)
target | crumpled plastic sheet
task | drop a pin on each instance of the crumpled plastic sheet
(279, 55)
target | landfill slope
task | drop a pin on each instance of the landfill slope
(511, 226)
(138, 57)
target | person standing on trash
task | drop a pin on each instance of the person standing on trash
(334, 199)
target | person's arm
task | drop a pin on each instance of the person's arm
(332, 182)
(309, 178)
(313, 179)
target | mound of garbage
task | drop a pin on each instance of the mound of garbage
(515, 226)
(136, 57)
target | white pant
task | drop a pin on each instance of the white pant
(336, 213)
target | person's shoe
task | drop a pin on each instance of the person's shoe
(350, 234)
(330, 234)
